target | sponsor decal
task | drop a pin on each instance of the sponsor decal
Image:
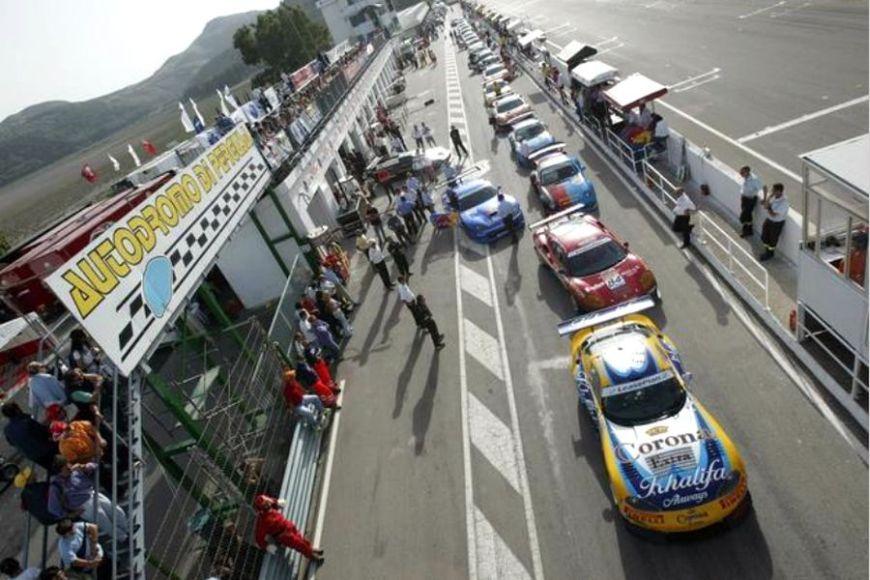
(734, 497)
(653, 431)
(698, 481)
(642, 517)
(680, 457)
(614, 281)
(669, 441)
(637, 385)
(690, 518)
(678, 500)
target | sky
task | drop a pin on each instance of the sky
(74, 50)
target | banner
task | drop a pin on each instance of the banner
(304, 75)
(129, 282)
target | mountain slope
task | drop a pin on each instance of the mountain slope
(47, 131)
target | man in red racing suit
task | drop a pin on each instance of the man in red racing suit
(271, 522)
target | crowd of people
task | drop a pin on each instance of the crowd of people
(76, 454)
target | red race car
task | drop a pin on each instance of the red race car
(591, 262)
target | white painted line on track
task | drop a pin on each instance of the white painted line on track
(697, 84)
(556, 28)
(496, 561)
(484, 348)
(761, 10)
(482, 534)
(492, 438)
(327, 474)
(694, 79)
(476, 285)
(531, 526)
(803, 119)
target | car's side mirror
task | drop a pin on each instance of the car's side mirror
(688, 377)
(625, 245)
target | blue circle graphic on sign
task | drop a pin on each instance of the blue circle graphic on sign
(157, 285)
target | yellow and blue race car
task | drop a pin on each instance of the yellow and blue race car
(670, 465)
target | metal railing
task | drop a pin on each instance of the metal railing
(732, 256)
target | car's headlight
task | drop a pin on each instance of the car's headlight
(730, 482)
(647, 280)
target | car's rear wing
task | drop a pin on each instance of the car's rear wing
(604, 315)
(556, 217)
(548, 150)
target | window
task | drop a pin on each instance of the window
(358, 18)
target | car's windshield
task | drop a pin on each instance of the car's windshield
(493, 70)
(644, 400)
(477, 197)
(529, 131)
(596, 257)
(558, 173)
(509, 105)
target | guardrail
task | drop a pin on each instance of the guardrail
(297, 488)
(731, 256)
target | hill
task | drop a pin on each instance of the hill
(48, 131)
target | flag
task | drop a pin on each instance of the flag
(197, 117)
(132, 153)
(88, 173)
(149, 147)
(224, 111)
(230, 98)
(115, 163)
(185, 119)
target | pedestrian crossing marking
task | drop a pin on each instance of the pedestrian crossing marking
(475, 284)
(495, 561)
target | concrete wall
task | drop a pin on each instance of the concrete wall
(248, 266)
(724, 183)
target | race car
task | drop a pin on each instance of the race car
(386, 170)
(560, 180)
(592, 264)
(526, 137)
(477, 204)
(507, 110)
(671, 466)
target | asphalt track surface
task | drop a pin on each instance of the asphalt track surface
(398, 496)
(780, 67)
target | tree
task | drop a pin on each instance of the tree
(282, 39)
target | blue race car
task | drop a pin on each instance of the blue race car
(478, 210)
(560, 182)
(527, 137)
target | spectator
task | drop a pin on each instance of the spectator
(397, 252)
(683, 210)
(749, 190)
(13, 570)
(308, 407)
(72, 493)
(428, 323)
(82, 354)
(324, 339)
(456, 138)
(325, 314)
(660, 132)
(333, 307)
(777, 211)
(409, 299)
(331, 277)
(271, 523)
(417, 133)
(28, 436)
(79, 546)
(427, 134)
(53, 573)
(44, 389)
(373, 217)
(396, 226)
(406, 210)
(426, 201)
(77, 441)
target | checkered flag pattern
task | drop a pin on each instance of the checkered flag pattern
(190, 247)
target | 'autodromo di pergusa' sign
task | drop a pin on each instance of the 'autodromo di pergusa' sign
(127, 284)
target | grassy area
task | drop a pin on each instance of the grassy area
(32, 202)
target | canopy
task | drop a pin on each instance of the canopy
(634, 91)
(593, 72)
(530, 37)
(575, 52)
